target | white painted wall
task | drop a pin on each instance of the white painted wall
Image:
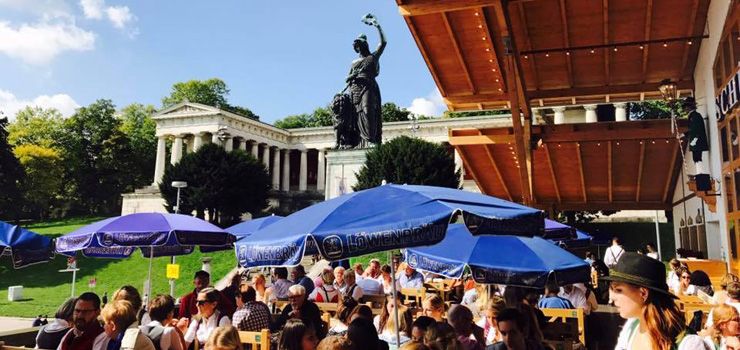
(717, 243)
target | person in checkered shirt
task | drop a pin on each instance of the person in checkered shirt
(251, 315)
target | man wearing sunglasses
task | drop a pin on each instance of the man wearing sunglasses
(188, 305)
(301, 308)
(86, 325)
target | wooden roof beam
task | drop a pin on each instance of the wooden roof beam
(607, 51)
(475, 99)
(552, 172)
(566, 41)
(604, 90)
(459, 53)
(528, 44)
(487, 29)
(648, 22)
(421, 7)
(498, 172)
(606, 135)
(639, 171)
(604, 205)
(669, 176)
(480, 139)
(609, 166)
(425, 55)
(580, 169)
(613, 45)
(687, 46)
(468, 164)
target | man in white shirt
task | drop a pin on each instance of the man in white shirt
(613, 253)
(369, 285)
(580, 297)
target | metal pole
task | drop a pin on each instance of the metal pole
(149, 285)
(172, 258)
(657, 236)
(395, 305)
(74, 277)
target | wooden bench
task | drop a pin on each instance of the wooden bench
(565, 314)
(715, 269)
(691, 303)
(258, 340)
(416, 294)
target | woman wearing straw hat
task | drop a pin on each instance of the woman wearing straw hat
(641, 295)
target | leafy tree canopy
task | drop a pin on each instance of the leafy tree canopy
(35, 125)
(645, 110)
(43, 182)
(139, 127)
(224, 184)
(323, 116)
(11, 176)
(211, 92)
(465, 114)
(408, 160)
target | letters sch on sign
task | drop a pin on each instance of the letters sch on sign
(729, 96)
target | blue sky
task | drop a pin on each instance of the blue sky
(278, 58)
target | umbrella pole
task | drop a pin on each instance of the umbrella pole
(395, 301)
(149, 285)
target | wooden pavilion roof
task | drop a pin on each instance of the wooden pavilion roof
(564, 51)
(591, 166)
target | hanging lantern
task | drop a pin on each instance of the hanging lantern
(668, 90)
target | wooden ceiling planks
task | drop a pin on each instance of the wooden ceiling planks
(556, 25)
(573, 167)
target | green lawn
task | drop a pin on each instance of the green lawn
(44, 288)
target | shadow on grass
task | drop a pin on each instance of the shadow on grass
(46, 275)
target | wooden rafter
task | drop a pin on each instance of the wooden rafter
(616, 44)
(604, 90)
(566, 41)
(669, 178)
(424, 54)
(528, 44)
(475, 99)
(467, 163)
(689, 32)
(609, 166)
(648, 24)
(604, 205)
(607, 51)
(498, 172)
(639, 171)
(418, 8)
(459, 53)
(580, 168)
(480, 139)
(497, 62)
(552, 172)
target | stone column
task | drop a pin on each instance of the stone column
(303, 173)
(229, 144)
(286, 170)
(266, 157)
(197, 141)
(321, 171)
(255, 150)
(559, 115)
(243, 145)
(459, 165)
(215, 140)
(591, 113)
(276, 169)
(189, 145)
(160, 160)
(176, 150)
(620, 112)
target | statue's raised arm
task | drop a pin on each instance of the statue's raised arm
(370, 20)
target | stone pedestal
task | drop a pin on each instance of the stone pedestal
(342, 167)
(143, 200)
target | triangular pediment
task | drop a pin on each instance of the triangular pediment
(187, 108)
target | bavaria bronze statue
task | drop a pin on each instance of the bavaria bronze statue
(357, 113)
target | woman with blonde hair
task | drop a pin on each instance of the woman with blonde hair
(720, 296)
(120, 328)
(488, 323)
(224, 338)
(725, 323)
(259, 283)
(640, 293)
(433, 306)
(385, 323)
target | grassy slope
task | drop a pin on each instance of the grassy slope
(45, 288)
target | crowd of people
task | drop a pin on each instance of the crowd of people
(475, 316)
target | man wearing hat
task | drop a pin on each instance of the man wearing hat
(698, 144)
(640, 293)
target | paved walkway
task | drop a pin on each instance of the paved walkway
(12, 323)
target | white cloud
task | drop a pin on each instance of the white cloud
(10, 104)
(92, 8)
(119, 16)
(39, 43)
(431, 105)
(46, 8)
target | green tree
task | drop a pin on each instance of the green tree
(390, 112)
(99, 161)
(137, 124)
(223, 184)
(211, 92)
(649, 110)
(294, 121)
(407, 160)
(43, 181)
(465, 114)
(37, 126)
(11, 176)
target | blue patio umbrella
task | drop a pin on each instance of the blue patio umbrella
(509, 260)
(558, 231)
(25, 247)
(582, 239)
(119, 236)
(243, 230)
(380, 219)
